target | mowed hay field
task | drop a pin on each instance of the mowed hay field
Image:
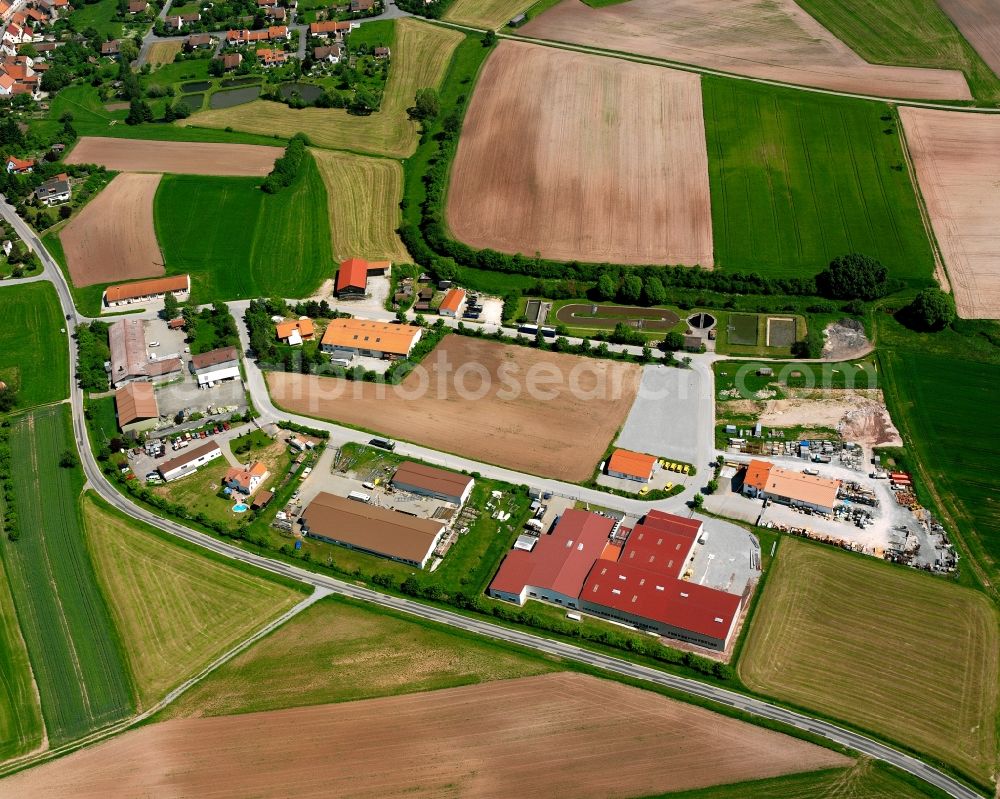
(544, 413)
(776, 40)
(237, 242)
(485, 13)
(112, 239)
(918, 33)
(944, 407)
(338, 651)
(799, 178)
(581, 157)
(957, 160)
(177, 609)
(163, 53)
(420, 57)
(903, 654)
(30, 320)
(548, 737)
(72, 641)
(363, 197)
(178, 157)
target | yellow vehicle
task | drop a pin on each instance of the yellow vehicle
(663, 463)
(643, 491)
(687, 469)
(668, 486)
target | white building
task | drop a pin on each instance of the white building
(189, 462)
(215, 366)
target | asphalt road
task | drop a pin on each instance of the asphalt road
(758, 707)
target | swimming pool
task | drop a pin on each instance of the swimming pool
(240, 507)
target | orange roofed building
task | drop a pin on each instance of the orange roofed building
(246, 479)
(295, 331)
(800, 490)
(352, 277)
(631, 465)
(373, 339)
(147, 290)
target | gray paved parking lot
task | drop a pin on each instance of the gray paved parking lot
(668, 412)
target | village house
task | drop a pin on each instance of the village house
(231, 60)
(111, 49)
(137, 6)
(18, 166)
(246, 479)
(198, 40)
(327, 28)
(331, 53)
(54, 191)
(295, 331)
(272, 58)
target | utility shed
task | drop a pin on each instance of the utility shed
(418, 478)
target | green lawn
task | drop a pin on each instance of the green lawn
(238, 242)
(72, 642)
(338, 651)
(33, 353)
(944, 406)
(99, 15)
(798, 178)
(905, 33)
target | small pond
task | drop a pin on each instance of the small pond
(307, 91)
(194, 102)
(196, 86)
(245, 81)
(234, 97)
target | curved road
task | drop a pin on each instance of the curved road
(758, 707)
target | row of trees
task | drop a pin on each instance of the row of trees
(9, 515)
(288, 167)
(92, 353)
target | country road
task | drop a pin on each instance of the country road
(758, 707)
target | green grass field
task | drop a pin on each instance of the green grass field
(30, 321)
(338, 651)
(238, 242)
(944, 407)
(72, 642)
(798, 178)
(906, 655)
(868, 779)
(21, 724)
(905, 33)
(177, 609)
(99, 15)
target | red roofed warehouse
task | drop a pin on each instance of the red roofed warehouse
(453, 303)
(352, 277)
(631, 465)
(146, 290)
(555, 569)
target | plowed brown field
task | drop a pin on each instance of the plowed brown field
(540, 412)
(581, 157)
(554, 736)
(177, 157)
(772, 39)
(113, 238)
(979, 22)
(957, 160)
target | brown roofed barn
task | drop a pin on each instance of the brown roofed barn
(418, 478)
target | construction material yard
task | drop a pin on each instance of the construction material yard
(957, 161)
(363, 197)
(112, 239)
(773, 39)
(517, 407)
(581, 157)
(906, 655)
(420, 56)
(182, 158)
(493, 740)
(177, 609)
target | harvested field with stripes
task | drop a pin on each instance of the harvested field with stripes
(581, 157)
(558, 736)
(776, 40)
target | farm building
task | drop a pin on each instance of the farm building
(246, 479)
(432, 482)
(767, 481)
(631, 465)
(453, 303)
(295, 331)
(261, 499)
(352, 277)
(374, 339)
(146, 290)
(357, 525)
(215, 366)
(554, 571)
(129, 362)
(189, 462)
(54, 191)
(136, 408)
(640, 583)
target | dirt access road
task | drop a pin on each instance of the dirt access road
(582, 157)
(558, 736)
